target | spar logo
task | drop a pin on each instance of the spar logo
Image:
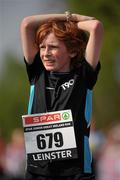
(65, 115)
(43, 118)
(47, 117)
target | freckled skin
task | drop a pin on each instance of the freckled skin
(54, 54)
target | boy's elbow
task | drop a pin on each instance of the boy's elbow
(26, 22)
(98, 27)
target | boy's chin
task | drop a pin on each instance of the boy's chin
(50, 69)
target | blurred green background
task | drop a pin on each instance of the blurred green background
(14, 86)
(106, 102)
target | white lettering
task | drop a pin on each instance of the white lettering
(50, 118)
(67, 84)
(47, 156)
(37, 157)
(63, 154)
(52, 155)
(36, 119)
(58, 153)
(45, 118)
(69, 153)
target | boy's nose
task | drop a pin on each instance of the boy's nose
(47, 52)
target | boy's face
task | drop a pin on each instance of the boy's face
(54, 54)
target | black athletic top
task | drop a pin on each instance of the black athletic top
(53, 91)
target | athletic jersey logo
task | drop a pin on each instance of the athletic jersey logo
(67, 85)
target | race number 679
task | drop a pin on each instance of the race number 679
(49, 139)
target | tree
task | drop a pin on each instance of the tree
(106, 95)
(14, 95)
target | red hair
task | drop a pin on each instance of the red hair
(68, 32)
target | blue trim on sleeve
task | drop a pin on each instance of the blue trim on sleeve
(32, 87)
(88, 107)
(87, 156)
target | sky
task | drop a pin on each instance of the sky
(11, 14)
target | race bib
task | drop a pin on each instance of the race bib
(50, 136)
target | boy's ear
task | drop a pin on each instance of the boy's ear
(73, 54)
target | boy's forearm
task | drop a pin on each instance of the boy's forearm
(78, 17)
(36, 20)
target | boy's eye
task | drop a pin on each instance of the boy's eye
(53, 47)
(49, 47)
(42, 47)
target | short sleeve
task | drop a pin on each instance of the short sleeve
(89, 74)
(34, 69)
